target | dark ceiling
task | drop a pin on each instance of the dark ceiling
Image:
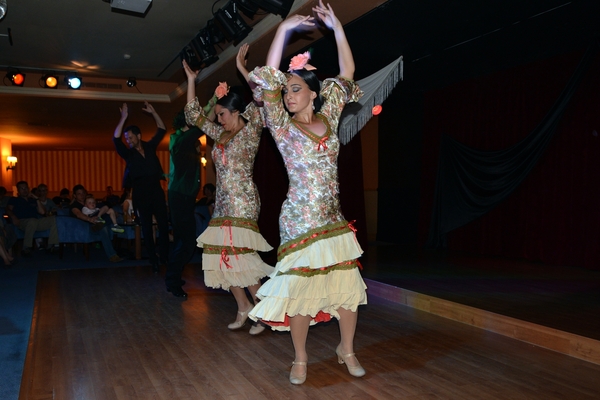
(442, 42)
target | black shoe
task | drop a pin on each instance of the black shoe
(27, 252)
(177, 292)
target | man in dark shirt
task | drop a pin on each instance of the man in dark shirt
(27, 213)
(146, 173)
(184, 183)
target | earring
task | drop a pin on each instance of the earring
(313, 106)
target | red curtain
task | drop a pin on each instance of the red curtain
(554, 215)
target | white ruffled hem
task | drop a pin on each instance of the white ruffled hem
(322, 253)
(246, 270)
(241, 237)
(290, 295)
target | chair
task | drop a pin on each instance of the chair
(74, 230)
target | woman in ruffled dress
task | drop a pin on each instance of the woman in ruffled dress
(230, 260)
(317, 274)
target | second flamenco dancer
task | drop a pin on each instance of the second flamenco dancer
(230, 260)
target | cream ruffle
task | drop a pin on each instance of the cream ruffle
(242, 237)
(296, 295)
(322, 253)
(246, 270)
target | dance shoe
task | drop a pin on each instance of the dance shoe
(356, 370)
(298, 379)
(256, 328)
(241, 321)
(178, 292)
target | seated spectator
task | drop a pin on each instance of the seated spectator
(3, 197)
(7, 240)
(49, 206)
(104, 235)
(209, 190)
(110, 199)
(27, 214)
(91, 210)
(62, 201)
(129, 215)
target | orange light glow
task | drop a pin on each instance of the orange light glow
(51, 82)
(377, 109)
(18, 79)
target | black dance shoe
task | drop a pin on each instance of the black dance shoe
(178, 292)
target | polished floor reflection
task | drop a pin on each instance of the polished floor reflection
(115, 333)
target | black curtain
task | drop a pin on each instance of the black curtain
(471, 182)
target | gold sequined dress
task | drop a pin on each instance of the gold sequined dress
(232, 238)
(317, 270)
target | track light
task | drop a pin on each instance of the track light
(248, 7)
(231, 24)
(131, 82)
(204, 48)
(15, 77)
(50, 81)
(73, 81)
(277, 7)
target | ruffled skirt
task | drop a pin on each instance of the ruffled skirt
(230, 256)
(315, 280)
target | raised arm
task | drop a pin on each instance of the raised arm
(191, 81)
(345, 58)
(124, 114)
(285, 28)
(149, 109)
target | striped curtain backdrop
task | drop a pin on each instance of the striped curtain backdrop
(64, 169)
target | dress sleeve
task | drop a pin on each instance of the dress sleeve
(270, 81)
(254, 115)
(336, 92)
(194, 115)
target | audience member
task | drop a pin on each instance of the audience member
(209, 190)
(110, 199)
(7, 241)
(127, 204)
(104, 235)
(63, 200)
(145, 174)
(3, 197)
(91, 210)
(27, 213)
(49, 206)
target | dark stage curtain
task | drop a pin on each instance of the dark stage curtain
(471, 182)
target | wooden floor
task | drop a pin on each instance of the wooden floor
(560, 297)
(115, 333)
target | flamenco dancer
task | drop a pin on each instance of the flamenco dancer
(230, 260)
(317, 274)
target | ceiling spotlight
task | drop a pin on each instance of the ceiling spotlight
(277, 7)
(50, 81)
(131, 82)
(233, 26)
(204, 48)
(15, 77)
(73, 81)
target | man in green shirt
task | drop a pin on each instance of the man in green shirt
(184, 183)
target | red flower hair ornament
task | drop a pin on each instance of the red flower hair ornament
(222, 90)
(301, 62)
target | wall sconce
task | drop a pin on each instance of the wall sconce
(203, 161)
(12, 162)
